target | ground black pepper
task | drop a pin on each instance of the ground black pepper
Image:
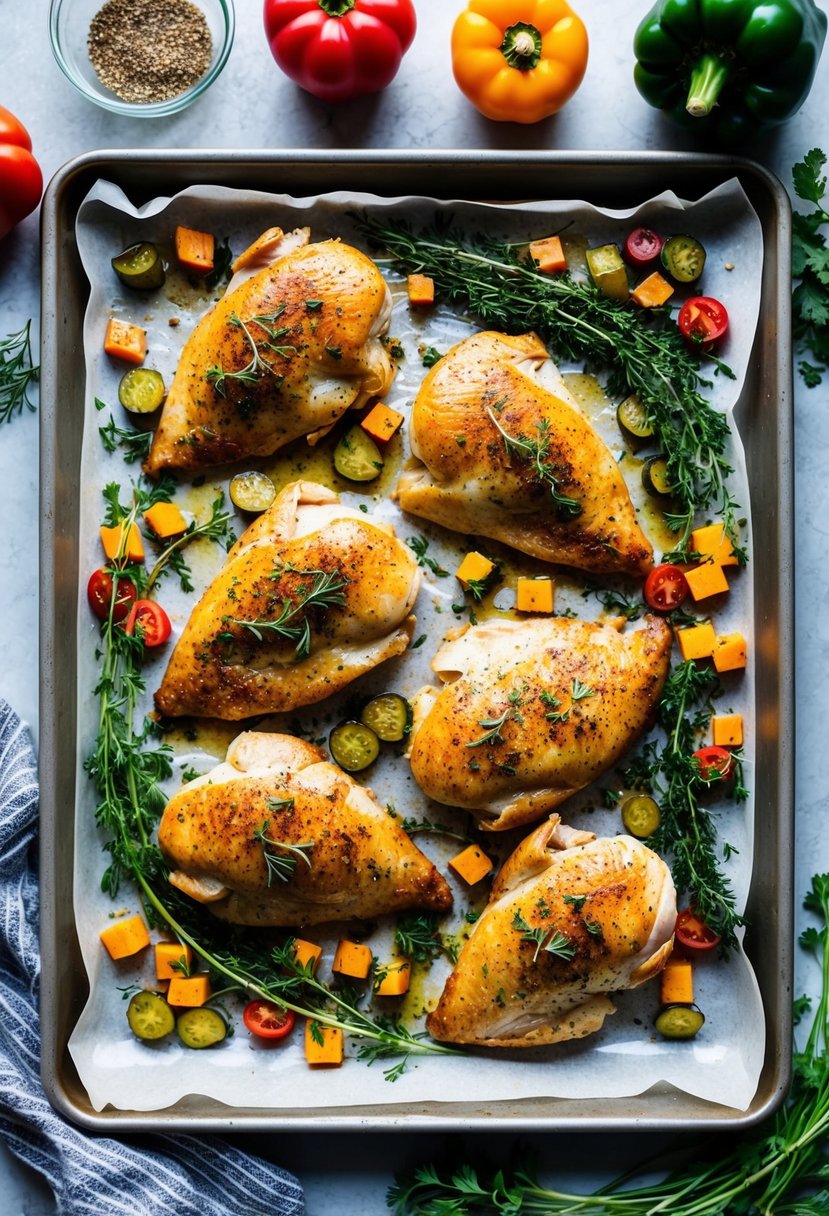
(149, 50)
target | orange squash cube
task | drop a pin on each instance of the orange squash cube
(125, 937)
(697, 641)
(727, 730)
(323, 1045)
(677, 983)
(549, 254)
(474, 567)
(712, 544)
(471, 864)
(352, 959)
(420, 289)
(124, 341)
(165, 520)
(382, 422)
(117, 547)
(706, 580)
(169, 953)
(189, 990)
(306, 953)
(195, 250)
(652, 291)
(393, 979)
(534, 595)
(730, 652)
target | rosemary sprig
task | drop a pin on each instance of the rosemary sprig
(282, 864)
(327, 590)
(779, 1168)
(17, 373)
(537, 452)
(257, 366)
(500, 287)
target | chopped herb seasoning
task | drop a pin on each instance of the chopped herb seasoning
(149, 50)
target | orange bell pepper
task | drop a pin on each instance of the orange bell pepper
(519, 60)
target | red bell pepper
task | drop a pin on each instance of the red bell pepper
(21, 181)
(339, 49)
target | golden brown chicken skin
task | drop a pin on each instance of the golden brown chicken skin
(283, 354)
(489, 416)
(571, 919)
(532, 711)
(338, 587)
(226, 836)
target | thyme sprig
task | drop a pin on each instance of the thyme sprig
(257, 366)
(780, 1167)
(326, 590)
(503, 290)
(282, 863)
(17, 373)
(545, 937)
(536, 452)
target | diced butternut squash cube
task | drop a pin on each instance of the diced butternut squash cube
(195, 250)
(420, 289)
(727, 730)
(393, 979)
(677, 983)
(730, 652)
(382, 422)
(652, 291)
(189, 990)
(549, 255)
(474, 568)
(117, 547)
(125, 937)
(124, 341)
(697, 641)
(306, 953)
(165, 520)
(472, 864)
(534, 595)
(352, 959)
(323, 1045)
(712, 543)
(706, 580)
(167, 955)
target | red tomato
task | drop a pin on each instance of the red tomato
(702, 319)
(99, 594)
(714, 763)
(692, 933)
(339, 49)
(643, 246)
(152, 622)
(268, 1020)
(665, 588)
(21, 181)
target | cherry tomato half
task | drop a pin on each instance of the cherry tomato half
(665, 588)
(702, 319)
(692, 933)
(643, 246)
(715, 763)
(151, 620)
(99, 595)
(268, 1020)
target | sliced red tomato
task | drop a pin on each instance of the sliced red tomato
(714, 763)
(150, 621)
(665, 588)
(643, 246)
(702, 319)
(268, 1020)
(99, 595)
(692, 933)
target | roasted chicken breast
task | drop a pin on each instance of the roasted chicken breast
(571, 919)
(312, 595)
(293, 344)
(230, 834)
(532, 711)
(500, 449)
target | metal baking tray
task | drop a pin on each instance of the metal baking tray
(764, 419)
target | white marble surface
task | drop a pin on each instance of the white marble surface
(253, 106)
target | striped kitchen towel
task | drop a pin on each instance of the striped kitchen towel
(187, 1175)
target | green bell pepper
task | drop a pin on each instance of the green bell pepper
(732, 65)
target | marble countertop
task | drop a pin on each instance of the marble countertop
(253, 106)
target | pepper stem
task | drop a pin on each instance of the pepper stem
(707, 79)
(336, 8)
(521, 46)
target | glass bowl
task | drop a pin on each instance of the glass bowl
(69, 22)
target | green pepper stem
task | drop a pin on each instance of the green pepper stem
(521, 46)
(336, 8)
(707, 79)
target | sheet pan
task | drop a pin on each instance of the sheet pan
(391, 174)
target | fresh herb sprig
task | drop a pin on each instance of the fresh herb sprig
(17, 373)
(810, 266)
(326, 590)
(419, 545)
(536, 453)
(780, 1167)
(546, 938)
(257, 366)
(134, 445)
(500, 287)
(282, 857)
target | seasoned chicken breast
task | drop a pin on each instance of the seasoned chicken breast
(230, 834)
(312, 595)
(571, 919)
(532, 711)
(293, 344)
(500, 449)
